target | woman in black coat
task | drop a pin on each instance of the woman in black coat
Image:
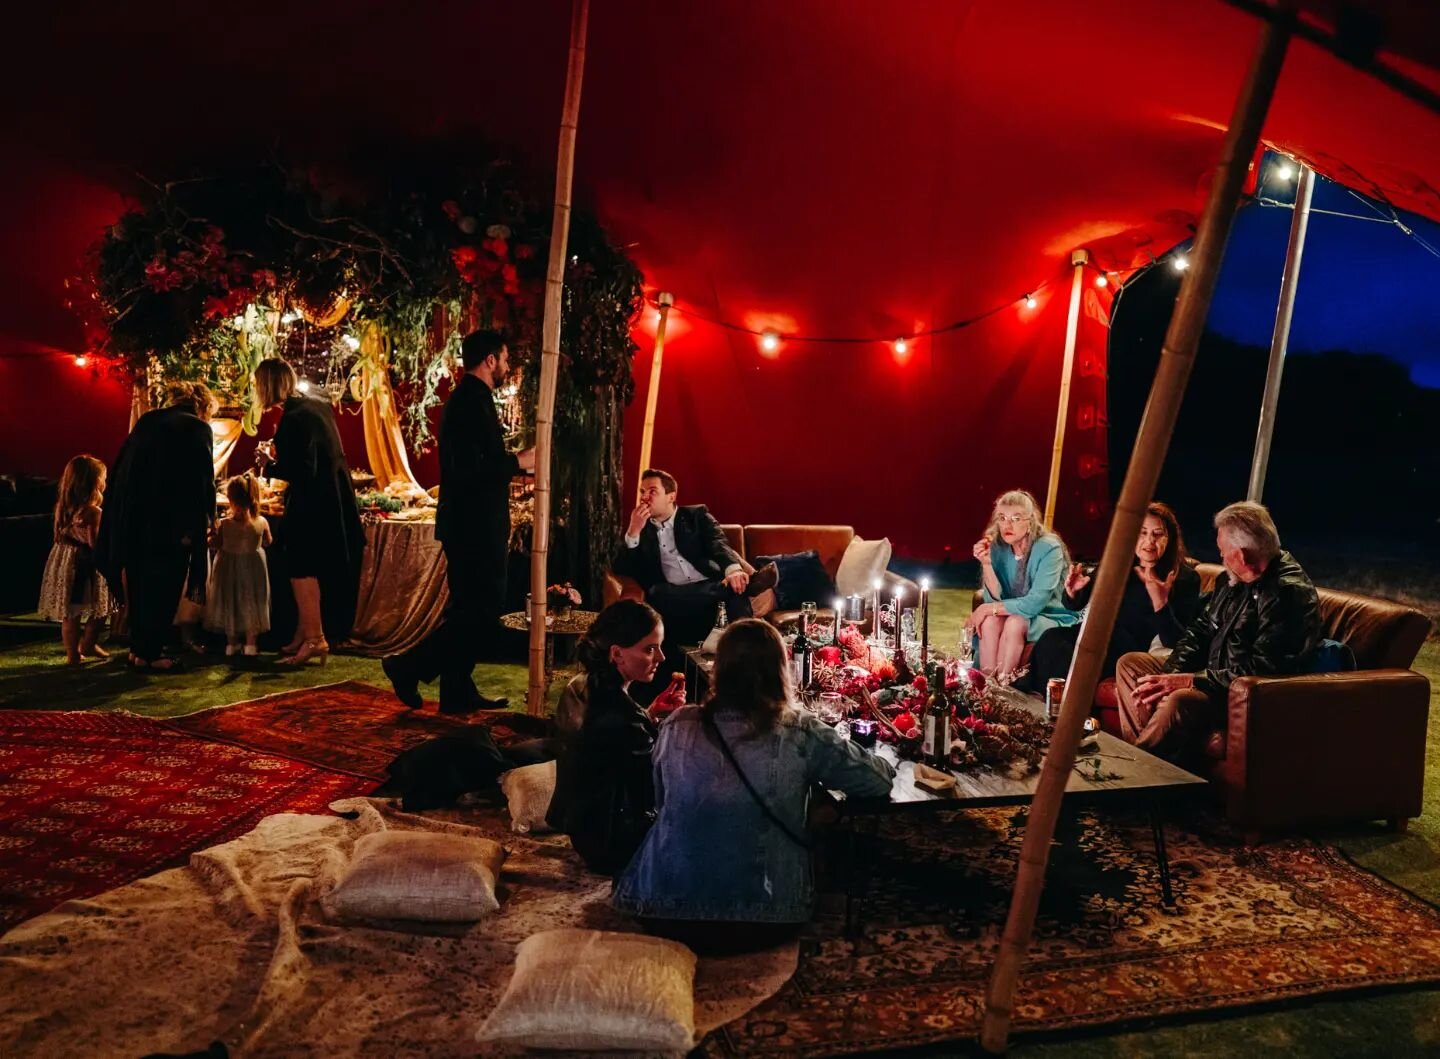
(1162, 595)
(604, 782)
(323, 540)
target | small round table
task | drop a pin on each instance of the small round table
(573, 623)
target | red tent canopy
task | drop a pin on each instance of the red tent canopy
(826, 169)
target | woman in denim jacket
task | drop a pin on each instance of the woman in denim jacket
(1022, 574)
(726, 867)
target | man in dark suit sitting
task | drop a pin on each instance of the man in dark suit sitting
(684, 563)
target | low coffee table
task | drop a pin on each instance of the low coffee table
(575, 623)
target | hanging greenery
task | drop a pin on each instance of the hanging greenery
(202, 278)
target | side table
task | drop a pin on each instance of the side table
(575, 623)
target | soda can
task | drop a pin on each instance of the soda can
(1054, 692)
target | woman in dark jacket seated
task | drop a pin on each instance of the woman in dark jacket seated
(1161, 596)
(727, 865)
(604, 795)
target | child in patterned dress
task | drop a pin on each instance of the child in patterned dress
(72, 591)
(238, 600)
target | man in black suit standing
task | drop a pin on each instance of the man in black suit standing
(472, 524)
(684, 563)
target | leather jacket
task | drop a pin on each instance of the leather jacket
(1269, 627)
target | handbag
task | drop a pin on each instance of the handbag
(770, 815)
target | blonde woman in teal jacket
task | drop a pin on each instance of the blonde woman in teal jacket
(1022, 573)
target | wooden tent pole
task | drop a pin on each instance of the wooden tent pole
(1178, 355)
(1280, 339)
(1078, 259)
(550, 355)
(652, 397)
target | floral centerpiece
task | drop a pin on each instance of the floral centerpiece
(561, 598)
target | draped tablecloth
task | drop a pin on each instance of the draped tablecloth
(402, 587)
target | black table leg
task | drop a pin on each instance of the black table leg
(1157, 825)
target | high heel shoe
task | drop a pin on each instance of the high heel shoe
(317, 648)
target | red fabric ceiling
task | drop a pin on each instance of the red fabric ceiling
(821, 167)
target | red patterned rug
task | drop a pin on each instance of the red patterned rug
(89, 801)
(350, 726)
(1279, 923)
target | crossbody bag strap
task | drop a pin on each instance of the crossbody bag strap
(764, 808)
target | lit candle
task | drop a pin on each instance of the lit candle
(924, 622)
(839, 617)
(875, 610)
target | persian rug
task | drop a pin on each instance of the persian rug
(92, 800)
(235, 947)
(349, 726)
(1252, 926)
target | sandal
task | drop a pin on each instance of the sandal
(317, 649)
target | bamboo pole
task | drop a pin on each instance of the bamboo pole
(652, 397)
(1280, 339)
(1177, 357)
(1078, 259)
(550, 354)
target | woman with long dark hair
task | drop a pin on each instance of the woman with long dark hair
(604, 795)
(1162, 595)
(321, 537)
(727, 864)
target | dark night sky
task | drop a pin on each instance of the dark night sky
(1364, 287)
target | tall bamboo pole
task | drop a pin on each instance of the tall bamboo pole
(1280, 339)
(1072, 331)
(550, 354)
(652, 397)
(1177, 357)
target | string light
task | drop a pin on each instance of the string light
(769, 341)
(1285, 172)
(1180, 263)
(303, 386)
(1030, 301)
(901, 347)
(81, 360)
(1102, 280)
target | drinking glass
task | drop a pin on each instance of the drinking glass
(965, 649)
(832, 707)
(807, 618)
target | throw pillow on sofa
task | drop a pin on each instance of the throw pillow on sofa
(802, 579)
(862, 563)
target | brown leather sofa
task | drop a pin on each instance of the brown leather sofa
(1322, 748)
(829, 542)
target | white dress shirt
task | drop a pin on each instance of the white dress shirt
(674, 567)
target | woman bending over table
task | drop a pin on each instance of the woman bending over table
(604, 797)
(1022, 570)
(1162, 595)
(727, 865)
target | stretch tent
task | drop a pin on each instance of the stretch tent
(844, 170)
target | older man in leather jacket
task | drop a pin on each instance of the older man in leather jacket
(1263, 621)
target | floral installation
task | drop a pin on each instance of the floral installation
(562, 597)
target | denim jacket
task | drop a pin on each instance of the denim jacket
(713, 854)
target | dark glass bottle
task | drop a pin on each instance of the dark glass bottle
(802, 658)
(936, 748)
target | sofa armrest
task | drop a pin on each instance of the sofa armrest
(617, 586)
(1325, 747)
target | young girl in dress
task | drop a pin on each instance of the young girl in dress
(73, 592)
(238, 600)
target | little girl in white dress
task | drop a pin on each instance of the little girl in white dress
(72, 591)
(237, 602)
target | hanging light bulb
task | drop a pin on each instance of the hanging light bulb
(352, 342)
(769, 341)
(1180, 263)
(1102, 280)
(303, 386)
(901, 347)
(1030, 302)
(81, 360)
(1285, 172)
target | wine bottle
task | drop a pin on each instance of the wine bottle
(802, 657)
(936, 748)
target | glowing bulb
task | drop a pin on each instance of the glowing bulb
(1285, 172)
(769, 341)
(81, 360)
(1102, 280)
(1030, 302)
(877, 584)
(352, 342)
(1180, 263)
(901, 347)
(303, 385)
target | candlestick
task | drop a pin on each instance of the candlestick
(899, 645)
(839, 617)
(875, 633)
(924, 622)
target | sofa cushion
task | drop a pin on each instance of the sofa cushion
(802, 579)
(829, 542)
(862, 563)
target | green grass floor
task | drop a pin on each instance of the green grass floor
(33, 676)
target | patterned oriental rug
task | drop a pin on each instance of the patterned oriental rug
(1252, 926)
(89, 801)
(350, 726)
